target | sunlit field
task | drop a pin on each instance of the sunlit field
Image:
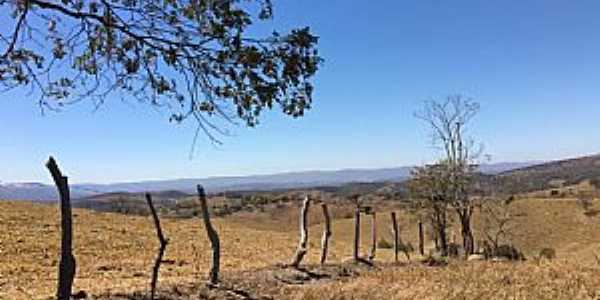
(115, 254)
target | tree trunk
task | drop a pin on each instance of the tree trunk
(356, 254)
(468, 242)
(161, 250)
(443, 246)
(467, 235)
(421, 242)
(213, 237)
(67, 266)
(396, 238)
(373, 236)
(326, 234)
(301, 251)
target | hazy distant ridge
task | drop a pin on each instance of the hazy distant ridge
(41, 192)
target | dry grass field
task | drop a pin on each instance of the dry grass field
(115, 255)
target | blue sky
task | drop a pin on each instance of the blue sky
(533, 65)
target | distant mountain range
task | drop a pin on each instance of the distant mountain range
(42, 192)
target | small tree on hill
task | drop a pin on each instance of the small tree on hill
(448, 120)
(429, 189)
(498, 221)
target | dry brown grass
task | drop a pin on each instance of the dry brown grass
(115, 254)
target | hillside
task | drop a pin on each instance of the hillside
(551, 174)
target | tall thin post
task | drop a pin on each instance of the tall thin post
(326, 234)
(373, 236)
(421, 242)
(161, 250)
(301, 251)
(213, 236)
(67, 266)
(396, 239)
(356, 234)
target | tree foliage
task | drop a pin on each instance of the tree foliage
(196, 58)
(430, 196)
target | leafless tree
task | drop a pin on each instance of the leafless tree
(498, 221)
(449, 120)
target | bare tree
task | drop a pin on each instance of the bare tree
(161, 250)
(213, 236)
(448, 120)
(67, 265)
(498, 221)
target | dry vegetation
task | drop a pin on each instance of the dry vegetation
(115, 254)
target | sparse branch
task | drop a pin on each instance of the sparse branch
(195, 59)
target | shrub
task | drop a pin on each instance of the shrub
(547, 253)
(384, 244)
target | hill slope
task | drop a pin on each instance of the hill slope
(550, 174)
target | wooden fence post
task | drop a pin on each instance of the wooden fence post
(301, 251)
(212, 236)
(373, 236)
(326, 234)
(161, 250)
(67, 266)
(356, 254)
(421, 242)
(396, 240)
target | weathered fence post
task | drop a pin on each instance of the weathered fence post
(301, 251)
(161, 250)
(356, 254)
(396, 240)
(326, 234)
(421, 242)
(67, 266)
(212, 236)
(373, 236)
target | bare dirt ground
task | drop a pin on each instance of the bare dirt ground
(115, 255)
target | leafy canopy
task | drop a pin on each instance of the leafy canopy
(194, 57)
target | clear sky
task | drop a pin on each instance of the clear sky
(533, 65)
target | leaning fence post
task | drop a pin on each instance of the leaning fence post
(67, 266)
(161, 250)
(326, 234)
(396, 240)
(421, 243)
(373, 236)
(301, 251)
(213, 236)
